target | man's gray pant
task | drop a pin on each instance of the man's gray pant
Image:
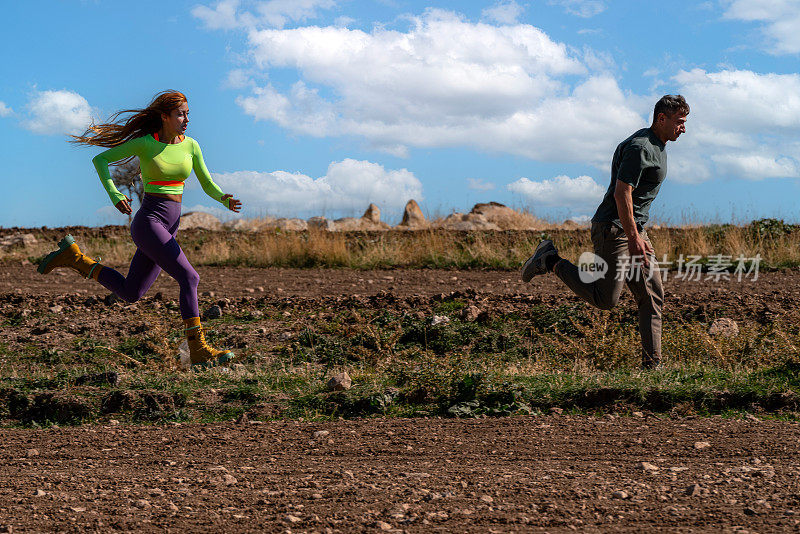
(611, 244)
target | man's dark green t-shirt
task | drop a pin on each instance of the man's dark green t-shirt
(641, 161)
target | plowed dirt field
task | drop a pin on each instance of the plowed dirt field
(553, 473)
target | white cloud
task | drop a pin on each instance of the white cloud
(598, 61)
(5, 111)
(477, 184)
(738, 126)
(561, 191)
(503, 12)
(743, 100)
(278, 13)
(238, 79)
(344, 21)
(348, 186)
(581, 8)
(302, 110)
(443, 82)
(756, 166)
(222, 16)
(57, 112)
(780, 21)
(400, 151)
(227, 15)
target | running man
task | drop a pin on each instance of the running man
(166, 158)
(618, 235)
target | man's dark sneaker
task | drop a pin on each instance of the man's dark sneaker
(537, 264)
(651, 364)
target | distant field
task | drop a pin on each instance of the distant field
(773, 240)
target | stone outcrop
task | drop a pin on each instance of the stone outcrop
(491, 216)
(483, 217)
(724, 327)
(321, 224)
(506, 218)
(199, 219)
(467, 222)
(17, 240)
(249, 225)
(340, 382)
(370, 221)
(373, 214)
(290, 225)
(348, 224)
(413, 218)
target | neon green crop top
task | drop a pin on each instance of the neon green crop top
(164, 166)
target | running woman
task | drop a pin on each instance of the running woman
(156, 135)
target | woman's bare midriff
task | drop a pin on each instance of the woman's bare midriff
(174, 198)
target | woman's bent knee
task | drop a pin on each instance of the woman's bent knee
(192, 278)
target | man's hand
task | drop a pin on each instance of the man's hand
(639, 248)
(124, 205)
(233, 204)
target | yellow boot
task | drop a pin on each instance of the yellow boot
(200, 352)
(69, 255)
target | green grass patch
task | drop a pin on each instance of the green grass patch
(526, 361)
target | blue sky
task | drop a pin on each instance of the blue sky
(309, 107)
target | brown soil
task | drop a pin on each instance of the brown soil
(553, 473)
(22, 278)
(526, 474)
(86, 309)
(52, 311)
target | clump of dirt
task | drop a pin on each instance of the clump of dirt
(143, 404)
(49, 407)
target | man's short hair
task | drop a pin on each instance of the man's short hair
(669, 105)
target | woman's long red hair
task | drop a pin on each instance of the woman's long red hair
(141, 122)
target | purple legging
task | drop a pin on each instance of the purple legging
(153, 230)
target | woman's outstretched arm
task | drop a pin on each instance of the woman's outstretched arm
(208, 185)
(101, 163)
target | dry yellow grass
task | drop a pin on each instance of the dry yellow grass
(775, 243)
